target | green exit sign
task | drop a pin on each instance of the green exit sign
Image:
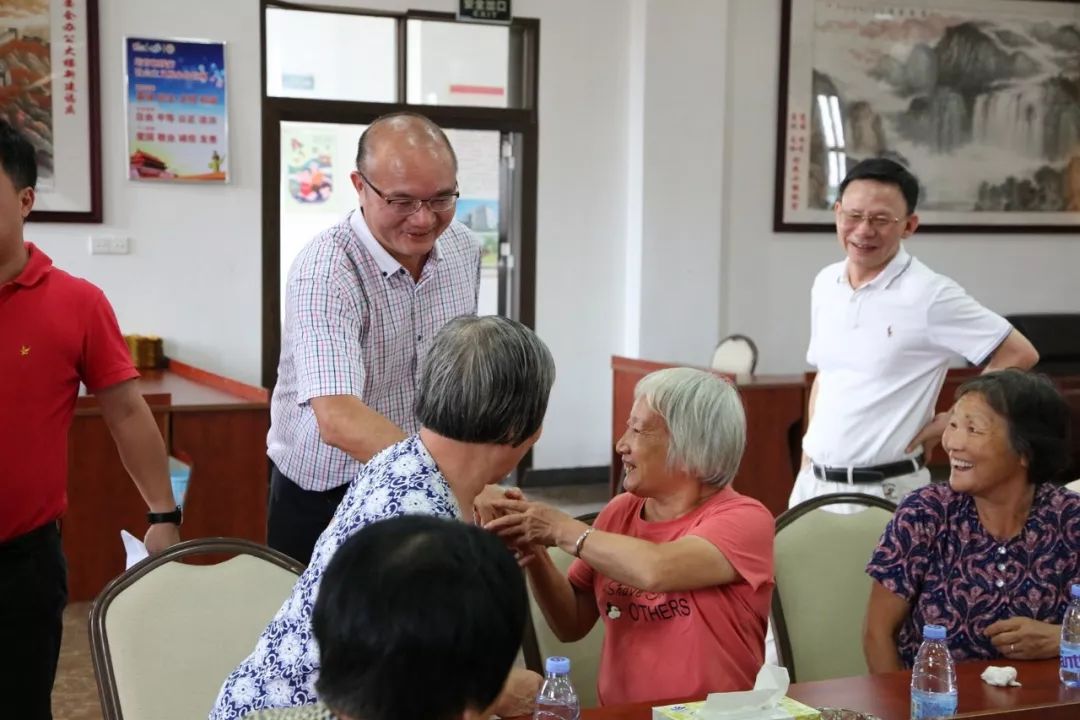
(485, 11)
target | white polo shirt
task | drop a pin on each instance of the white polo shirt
(882, 352)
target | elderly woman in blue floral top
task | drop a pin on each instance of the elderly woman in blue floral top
(992, 554)
(481, 400)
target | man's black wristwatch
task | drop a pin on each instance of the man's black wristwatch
(175, 517)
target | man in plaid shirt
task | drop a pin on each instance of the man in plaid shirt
(364, 300)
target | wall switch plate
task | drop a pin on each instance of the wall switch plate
(109, 245)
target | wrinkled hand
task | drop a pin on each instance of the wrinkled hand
(518, 696)
(1021, 638)
(160, 536)
(930, 436)
(533, 523)
(483, 506)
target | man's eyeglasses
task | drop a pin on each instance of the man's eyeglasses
(407, 206)
(854, 218)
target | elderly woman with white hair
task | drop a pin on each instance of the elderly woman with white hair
(679, 567)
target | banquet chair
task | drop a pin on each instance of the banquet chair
(821, 585)
(165, 634)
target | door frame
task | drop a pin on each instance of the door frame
(525, 35)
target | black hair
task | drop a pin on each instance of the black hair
(419, 618)
(1037, 417)
(18, 157)
(886, 171)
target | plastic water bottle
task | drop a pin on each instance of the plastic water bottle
(557, 699)
(933, 677)
(1070, 641)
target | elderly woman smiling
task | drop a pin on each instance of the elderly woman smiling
(992, 554)
(679, 568)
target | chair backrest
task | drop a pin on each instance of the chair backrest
(736, 354)
(821, 584)
(166, 634)
(540, 642)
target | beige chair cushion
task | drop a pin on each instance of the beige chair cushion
(823, 589)
(175, 634)
(584, 654)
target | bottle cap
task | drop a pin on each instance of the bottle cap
(557, 665)
(1075, 591)
(933, 632)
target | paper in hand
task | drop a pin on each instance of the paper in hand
(133, 548)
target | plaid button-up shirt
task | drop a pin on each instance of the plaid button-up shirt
(356, 323)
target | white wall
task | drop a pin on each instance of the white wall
(684, 154)
(194, 273)
(657, 142)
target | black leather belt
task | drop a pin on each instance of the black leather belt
(873, 473)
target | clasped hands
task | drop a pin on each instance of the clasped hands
(526, 527)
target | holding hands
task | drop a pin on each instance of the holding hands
(533, 525)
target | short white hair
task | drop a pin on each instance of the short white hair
(705, 419)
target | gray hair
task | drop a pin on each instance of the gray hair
(705, 420)
(485, 380)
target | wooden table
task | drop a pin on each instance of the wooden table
(216, 424)
(1041, 697)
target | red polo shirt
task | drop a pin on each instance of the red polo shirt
(56, 331)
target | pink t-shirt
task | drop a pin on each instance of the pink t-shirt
(660, 646)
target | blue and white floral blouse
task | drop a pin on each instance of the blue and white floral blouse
(281, 671)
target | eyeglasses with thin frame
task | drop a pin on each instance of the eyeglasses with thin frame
(407, 206)
(854, 218)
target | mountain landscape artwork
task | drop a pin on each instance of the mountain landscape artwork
(980, 99)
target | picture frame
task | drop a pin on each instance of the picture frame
(49, 92)
(977, 98)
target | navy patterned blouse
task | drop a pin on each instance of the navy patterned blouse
(936, 555)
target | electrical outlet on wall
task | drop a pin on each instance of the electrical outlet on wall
(109, 245)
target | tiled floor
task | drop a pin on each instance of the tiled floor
(75, 694)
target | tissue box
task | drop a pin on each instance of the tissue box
(787, 709)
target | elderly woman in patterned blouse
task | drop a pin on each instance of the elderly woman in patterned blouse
(375, 615)
(992, 554)
(481, 399)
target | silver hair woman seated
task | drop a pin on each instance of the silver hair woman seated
(481, 401)
(679, 568)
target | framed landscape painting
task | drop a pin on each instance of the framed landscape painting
(979, 98)
(48, 91)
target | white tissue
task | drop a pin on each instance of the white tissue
(769, 688)
(1000, 676)
(133, 548)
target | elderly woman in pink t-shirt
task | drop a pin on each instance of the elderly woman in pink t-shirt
(679, 567)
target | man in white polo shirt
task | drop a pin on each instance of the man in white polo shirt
(883, 330)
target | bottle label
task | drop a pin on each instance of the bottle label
(925, 705)
(1070, 657)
